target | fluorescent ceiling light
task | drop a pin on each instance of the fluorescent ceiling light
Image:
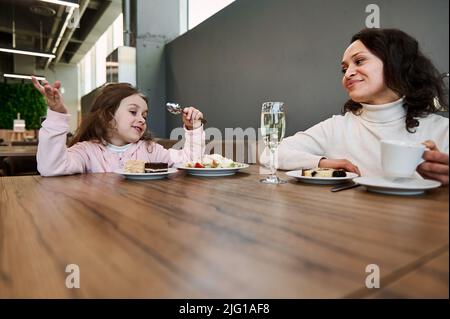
(45, 55)
(20, 76)
(112, 64)
(63, 3)
(63, 29)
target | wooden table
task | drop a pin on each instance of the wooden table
(229, 237)
(6, 151)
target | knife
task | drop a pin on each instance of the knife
(342, 187)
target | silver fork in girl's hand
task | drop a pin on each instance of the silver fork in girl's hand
(175, 108)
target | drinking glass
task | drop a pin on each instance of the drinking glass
(273, 125)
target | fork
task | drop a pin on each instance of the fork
(176, 109)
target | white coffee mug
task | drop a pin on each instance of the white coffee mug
(400, 158)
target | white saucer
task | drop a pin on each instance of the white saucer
(397, 186)
(321, 180)
(146, 176)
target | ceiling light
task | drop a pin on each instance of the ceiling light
(112, 64)
(58, 40)
(20, 76)
(45, 55)
(63, 3)
(42, 10)
(63, 29)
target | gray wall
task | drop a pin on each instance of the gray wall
(288, 50)
(157, 22)
(68, 75)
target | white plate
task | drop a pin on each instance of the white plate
(398, 186)
(146, 176)
(321, 180)
(211, 172)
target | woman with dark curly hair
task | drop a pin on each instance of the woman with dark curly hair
(393, 90)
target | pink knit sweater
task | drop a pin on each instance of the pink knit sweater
(54, 158)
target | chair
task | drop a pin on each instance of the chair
(243, 151)
(2, 169)
(238, 150)
(166, 143)
(24, 143)
(17, 136)
(20, 166)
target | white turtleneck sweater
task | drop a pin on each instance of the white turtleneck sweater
(357, 138)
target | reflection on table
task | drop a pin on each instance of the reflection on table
(226, 237)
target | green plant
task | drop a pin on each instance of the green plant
(23, 99)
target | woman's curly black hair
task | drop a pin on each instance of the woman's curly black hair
(407, 72)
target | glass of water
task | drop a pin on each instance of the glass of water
(273, 125)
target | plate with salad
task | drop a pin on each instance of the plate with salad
(212, 165)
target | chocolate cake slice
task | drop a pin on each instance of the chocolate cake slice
(339, 173)
(324, 172)
(156, 167)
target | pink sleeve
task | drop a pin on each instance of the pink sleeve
(193, 149)
(53, 156)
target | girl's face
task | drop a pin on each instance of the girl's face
(130, 120)
(364, 77)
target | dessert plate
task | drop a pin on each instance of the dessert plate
(146, 176)
(321, 180)
(211, 172)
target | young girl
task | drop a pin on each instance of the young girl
(392, 88)
(114, 131)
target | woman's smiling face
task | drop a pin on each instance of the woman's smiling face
(364, 77)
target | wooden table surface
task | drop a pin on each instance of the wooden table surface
(223, 237)
(18, 151)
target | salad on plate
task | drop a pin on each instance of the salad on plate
(214, 161)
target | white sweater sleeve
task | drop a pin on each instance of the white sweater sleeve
(304, 149)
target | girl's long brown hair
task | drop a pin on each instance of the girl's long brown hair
(97, 124)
